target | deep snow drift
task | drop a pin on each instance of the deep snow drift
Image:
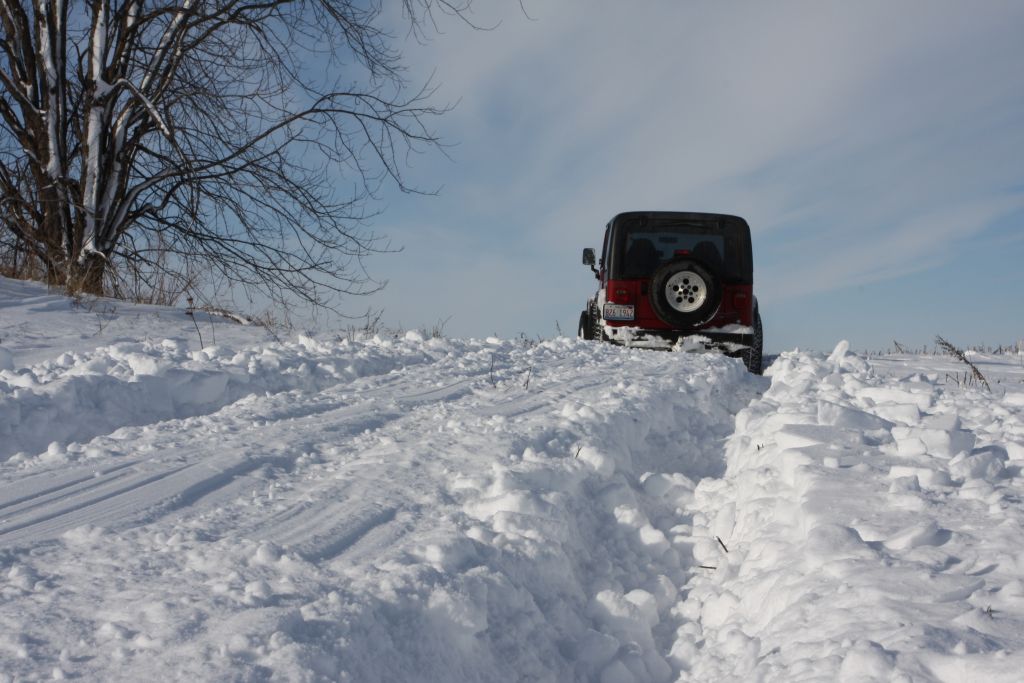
(456, 510)
(874, 527)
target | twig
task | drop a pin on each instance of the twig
(721, 544)
(190, 311)
(529, 373)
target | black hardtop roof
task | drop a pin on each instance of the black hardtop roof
(679, 215)
(733, 228)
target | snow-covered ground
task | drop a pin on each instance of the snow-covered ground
(483, 510)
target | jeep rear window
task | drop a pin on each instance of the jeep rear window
(645, 251)
(643, 246)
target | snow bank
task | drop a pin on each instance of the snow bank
(78, 396)
(871, 529)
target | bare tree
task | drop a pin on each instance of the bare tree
(241, 137)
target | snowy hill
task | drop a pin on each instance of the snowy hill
(485, 510)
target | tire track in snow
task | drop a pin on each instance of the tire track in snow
(163, 485)
(40, 487)
(332, 527)
(343, 535)
(117, 497)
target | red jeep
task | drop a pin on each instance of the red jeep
(676, 280)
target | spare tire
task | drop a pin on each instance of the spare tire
(684, 293)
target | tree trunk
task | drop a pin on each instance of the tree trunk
(86, 274)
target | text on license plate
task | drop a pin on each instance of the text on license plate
(618, 311)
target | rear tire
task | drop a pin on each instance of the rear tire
(752, 357)
(586, 329)
(596, 329)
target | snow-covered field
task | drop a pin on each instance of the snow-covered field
(483, 510)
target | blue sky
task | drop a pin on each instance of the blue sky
(876, 149)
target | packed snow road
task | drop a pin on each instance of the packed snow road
(442, 510)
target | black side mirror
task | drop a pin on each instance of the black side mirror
(589, 259)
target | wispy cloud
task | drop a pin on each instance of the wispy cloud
(852, 257)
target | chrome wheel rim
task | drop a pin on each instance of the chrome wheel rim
(686, 291)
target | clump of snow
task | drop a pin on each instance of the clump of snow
(6, 360)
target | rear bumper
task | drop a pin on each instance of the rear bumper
(731, 341)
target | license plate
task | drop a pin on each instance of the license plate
(618, 312)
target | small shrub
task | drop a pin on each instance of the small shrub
(959, 355)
